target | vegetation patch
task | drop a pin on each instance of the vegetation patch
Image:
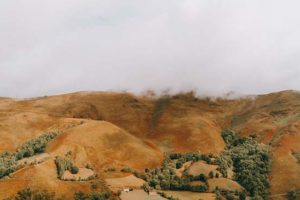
(63, 164)
(94, 196)
(297, 156)
(165, 177)
(30, 194)
(8, 163)
(35, 146)
(293, 194)
(36, 159)
(159, 107)
(200, 167)
(68, 171)
(250, 161)
(8, 160)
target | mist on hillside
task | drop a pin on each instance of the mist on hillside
(211, 47)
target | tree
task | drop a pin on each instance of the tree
(25, 194)
(229, 196)
(292, 195)
(199, 188)
(218, 194)
(28, 194)
(126, 169)
(202, 177)
(228, 136)
(242, 196)
(178, 165)
(211, 174)
(80, 196)
(63, 164)
(165, 185)
(74, 169)
(154, 182)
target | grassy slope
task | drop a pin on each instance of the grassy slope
(182, 124)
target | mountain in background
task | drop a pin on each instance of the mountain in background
(115, 130)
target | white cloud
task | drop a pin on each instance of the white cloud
(215, 46)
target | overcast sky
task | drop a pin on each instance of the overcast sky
(214, 47)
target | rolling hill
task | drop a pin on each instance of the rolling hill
(115, 130)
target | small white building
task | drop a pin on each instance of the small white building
(126, 190)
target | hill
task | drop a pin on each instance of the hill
(113, 130)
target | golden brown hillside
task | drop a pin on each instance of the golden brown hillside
(121, 129)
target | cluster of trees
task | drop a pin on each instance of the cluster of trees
(35, 146)
(250, 161)
(229, 195)
(29, 194)
(225, 160)
(165, 178)
(93, 196)
(8, 161)
(164, 195)
(191, 156)
(63, 164)
(8, 164)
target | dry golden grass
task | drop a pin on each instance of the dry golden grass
(125, 182)
(127, 137)
(41, 176)
(201, 167)
(224, 183)
(101, 143)
(82, 175)
(179, 172)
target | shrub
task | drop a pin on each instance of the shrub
(111, 169)
(175, 156)
(242, 196)
(99, 196)
(94, 185)
(29, 194)
(228, 136)
(74, 169)
(178, 165)
(89, 166)
(211, 174)
(63, 164)
(292, 195)
(80, 196)
(126, 169)
(229, 196)
(201, 177)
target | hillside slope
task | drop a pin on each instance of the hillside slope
(122, 129)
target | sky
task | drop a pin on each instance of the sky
(210, 46)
